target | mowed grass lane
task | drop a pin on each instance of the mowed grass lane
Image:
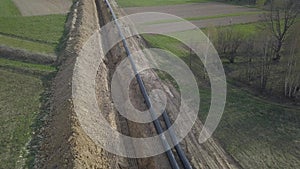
(26, 32)
(29, 67)
(34, 33)
(46, 29)
(27, 45)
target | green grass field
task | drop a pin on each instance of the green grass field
(8, 8)
(27, 45)
(167, 42)
(33, 33)
(47, 29)
(140, 3)
(23, 85)
(207, 17)
(246, 29)
(257, 133)
(26, 66)
(19, 106)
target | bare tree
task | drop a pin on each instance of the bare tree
(292, 73)
(248, 50)
(292, 77)
(228, 43)
(280, 19)
(265, 53)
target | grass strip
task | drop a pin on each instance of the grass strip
(27, 45)
(206, 17)
(8, 8)
(26, 66)
(48, 28)
(19, 106)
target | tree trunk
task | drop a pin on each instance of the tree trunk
(277, 51)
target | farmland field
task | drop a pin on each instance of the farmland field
(26, 66)
(46, 29)
(200, 14)
(19, 106)
(30, 46)
(8, 8)
(21, 95)
(22, 84)
(35, 33)
(43, 7)
(135, 3)
(195, 10)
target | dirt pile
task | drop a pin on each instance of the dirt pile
(64, 143)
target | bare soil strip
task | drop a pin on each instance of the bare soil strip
(193, 10)
(43, 7)
(197, 10)
(173, 27)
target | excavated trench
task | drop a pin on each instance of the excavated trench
(65, 142)
(124, 126)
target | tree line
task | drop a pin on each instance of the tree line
(269, 59)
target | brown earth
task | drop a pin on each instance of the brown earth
(192, 9)
(43, 7)
(65, 144)
(201, 10)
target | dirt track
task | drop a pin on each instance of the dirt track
(43, 7)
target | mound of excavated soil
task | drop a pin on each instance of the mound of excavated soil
(64, 144)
